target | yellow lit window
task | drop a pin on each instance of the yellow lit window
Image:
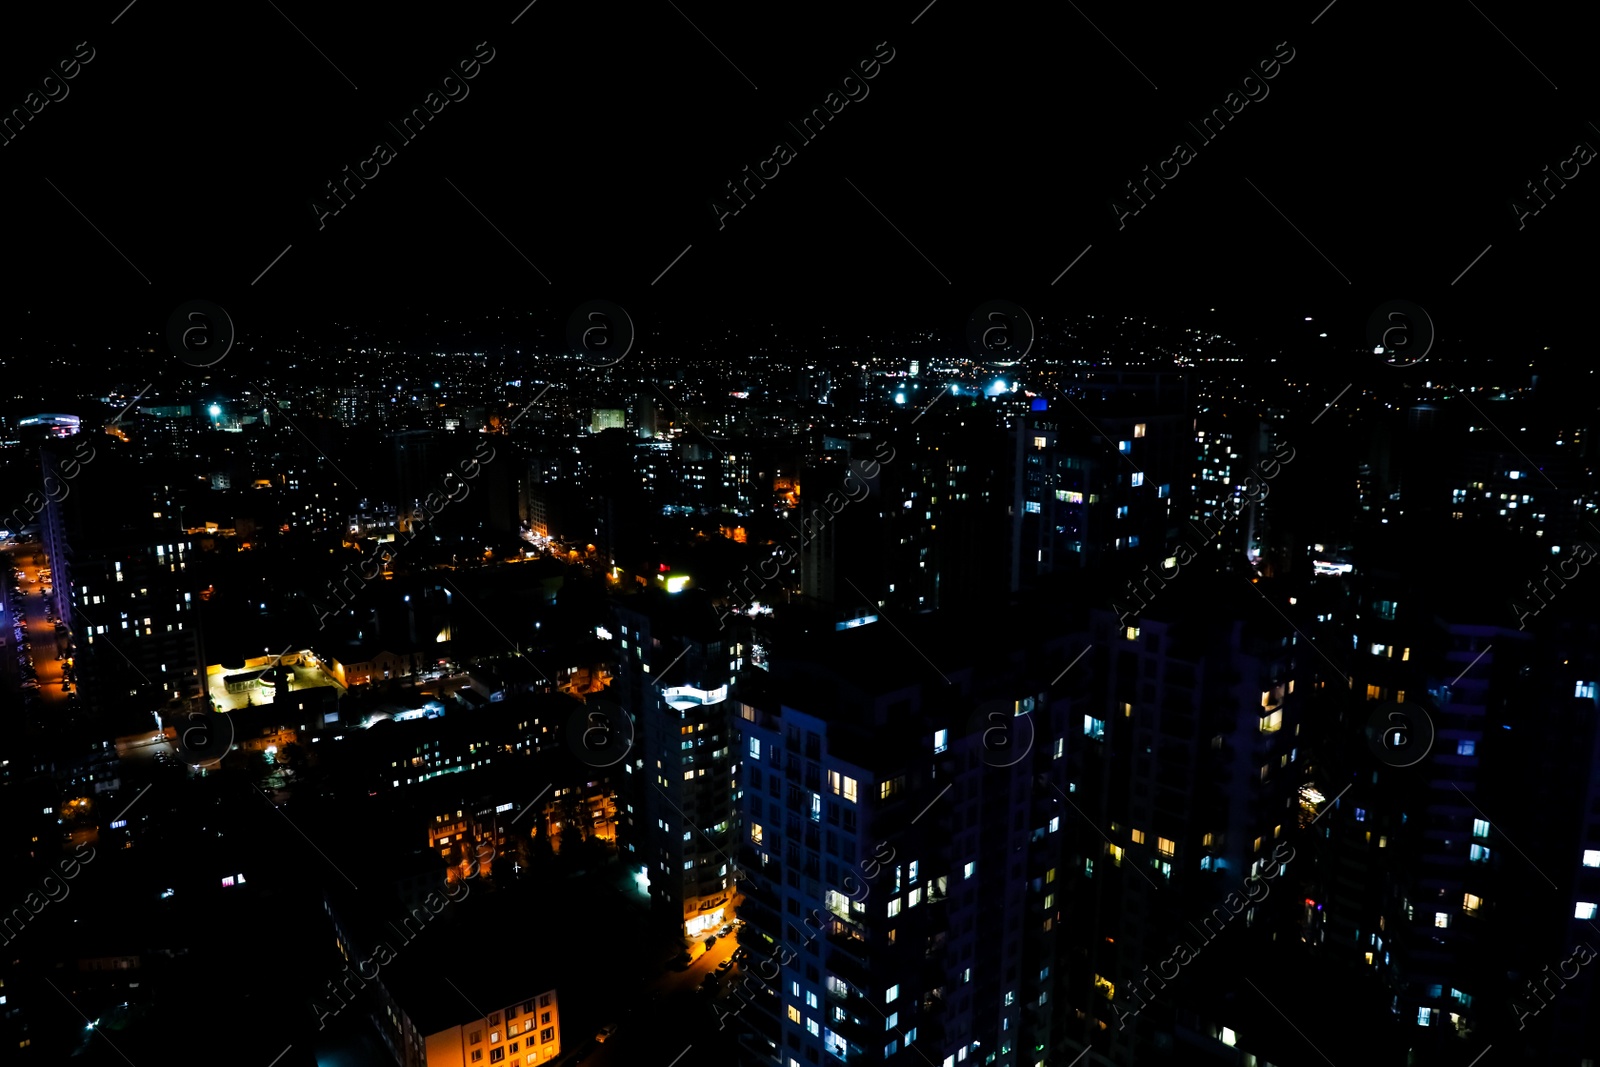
(1166, 846)
(1138, 837)
(1050, 875)
(1206, 840)
(1258, 845)
(755, 833)
(1127, 710)
(1374, 692)
(1138, 429)
(794, 1014)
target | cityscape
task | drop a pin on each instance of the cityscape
(1081, 559)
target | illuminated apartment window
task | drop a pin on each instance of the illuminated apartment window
(1206, 840)
(1424, 1016)
(1441, 920)
(1272, 723)
(1138, 837)
(1405, 654)
(1094, 728)
(1591, 857)
(1127, 710)
(1132, 633)
(1138, 429)
(794, 1014)
(1478, 854)
(941, 741)
(1369, 959)
(1584, 689)
(891, 994)
(1584, 910)
(1374, 692)
(1480, 827)
(755, 833)
(1166, 846)
(1136, 478)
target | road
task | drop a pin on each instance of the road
(44, 646)
(663, 1018)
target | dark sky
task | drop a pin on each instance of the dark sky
(993, 142)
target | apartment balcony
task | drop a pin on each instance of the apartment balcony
(852, 969)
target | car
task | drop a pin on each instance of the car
(725, 931)
(724, 966)
(607, 1031)
(681, 961)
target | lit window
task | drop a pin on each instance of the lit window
(1138, 837)
(968, 869)
(1591, 857)
(755, 833)
(1093, 727)
(794, 1014)
(1584, 689)
(1471, 904)
(891, 994)
(1039, 442)
(1480, 827)
(1138, 429)
(1136, 478)
(1466, 748)
(1424, 1016)
(1165, 846)
(941, 741)
(1441, 920)
(1123, 446)
(894, 907)
(755, 748)
(1584, 910)
(1478, 854)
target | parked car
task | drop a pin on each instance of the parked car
(607, 1031)
(724, 966)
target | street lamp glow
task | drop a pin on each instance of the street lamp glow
(215, 411)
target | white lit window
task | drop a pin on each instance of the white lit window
(1441, 920)
(1424, 1016)
(1093, 727)
(1480, 827)
(1584, 689)
(1466, 748)
(1136, 478)
(891, 994)
(1584, 910)
(941, 741)
(1591, 857)
(968, 869)
(755, 748)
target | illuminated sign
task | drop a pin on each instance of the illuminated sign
(851, 624)
(504, 807)
(1324, 567)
